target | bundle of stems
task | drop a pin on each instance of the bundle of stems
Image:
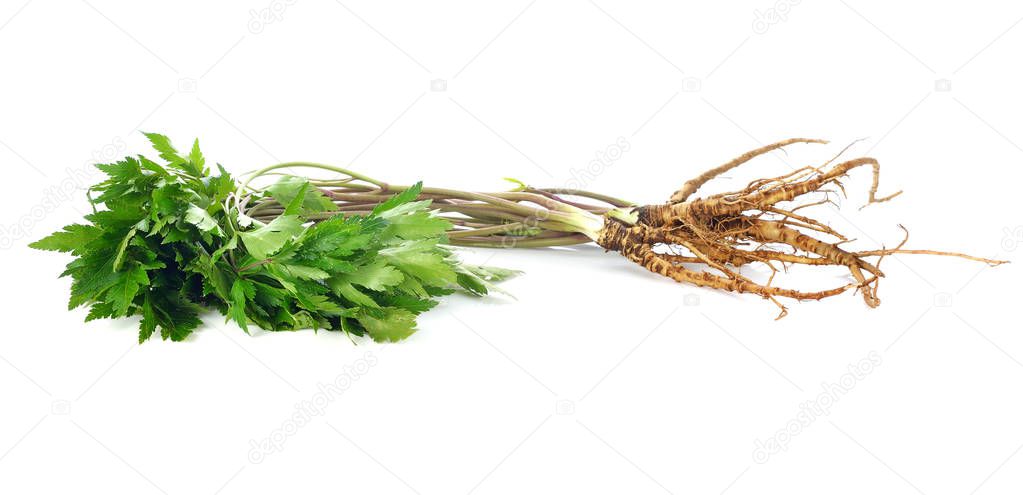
(698, 240)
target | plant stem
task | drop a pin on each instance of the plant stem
(525, 217)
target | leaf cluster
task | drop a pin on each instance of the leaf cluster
(168, 240)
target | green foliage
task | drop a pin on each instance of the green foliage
(167, 242)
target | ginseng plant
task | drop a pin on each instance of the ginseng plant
(704, 241)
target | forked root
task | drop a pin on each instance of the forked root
(757, 197)
(632, 242)
(692, 185)
(719, 230)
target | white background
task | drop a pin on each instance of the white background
(598, 378)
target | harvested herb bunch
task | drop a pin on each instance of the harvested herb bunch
(360, 255)
(167, 241)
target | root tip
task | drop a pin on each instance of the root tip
(784, 313)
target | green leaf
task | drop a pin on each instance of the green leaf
(296, 203)
(302, 271)
(491, 273)
(397, 211)
(408, 302)
(290, 188)
(220, 186)
(228, 246)
(418, 225)
(472, 284)
(121, 218)
(119, 257)
(320, 304)
(202, 220)
(388, 324)
(169, 199)
(193, 164)
(241, 291)
(99, 311)
(196, 160)
(375, 276)
(473, 277)
(123, 291)
(177, 316)
(519, 185)
(124, 171)
(153, 167)
(74, 238)
(399, 199)
(431, 268)
(412, 303)
(93, 274)
(337, 236)
(348, 291)
(268, 239)
(149, 321)
(164, 147)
